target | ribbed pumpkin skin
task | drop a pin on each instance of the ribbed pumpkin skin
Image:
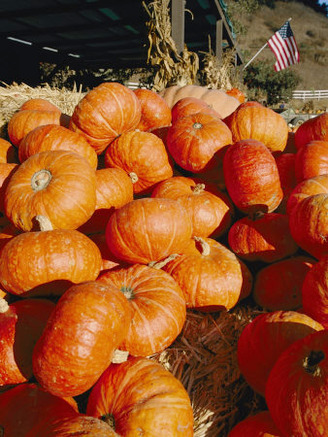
(51, 261)
(23, 122)
(211, 213)
(251, 177)
(89, 322)
(313, 129)
(266, 238)
(58, 184)
(143, 398)
(20, 328)
(39, 104)
(217, 99)
(104, 113)
(210, 281)
(155, 112)
(265, 338)
(278, 286)
(193, 140)
(297, 388)
(314, 291)
(258, 425)
(311, 160)
(140, 154)
(6, 171)
(157, 305)
(191, 105)
(25, 405)
(8, 153)
(148, 229)
(54, 137)
(258, 123)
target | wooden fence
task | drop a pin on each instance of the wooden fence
(305, 95)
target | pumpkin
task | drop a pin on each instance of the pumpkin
(23, 122)
(142, 397)
(6, 171)
(265, 338)
(54, 137)
(193, 140)
(211, 214)
(114, 188)
(297, 389)
(58, 184)
(257, 425)
(191, 105)
(109, 261)
(311, 160)
(266, 238)
(155, 112)
(157, 305)
(142, 155)
(258, 123)
(237, 93)
(22, 408)
(39, 104)
(8, 153)
(219, 100)
(313, 129)
(89, 322)
(148, 229)
(53, 260)
(286, 168)
(21, 324)
(278, 286)
(252, 177)
(209, 275)
(104, 113)
(314, 291)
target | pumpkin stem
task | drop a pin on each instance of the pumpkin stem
(109, 419)
(40, 180)
(198, 188)
(160, 264)
(205, 247)
(134, 177)
(311, 362)
(43, 222)
(197, 125)
(4, 306)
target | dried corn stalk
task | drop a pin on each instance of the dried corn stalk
(172, 67)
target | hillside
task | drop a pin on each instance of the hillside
(311, 33)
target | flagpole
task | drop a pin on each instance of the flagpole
(256, 54)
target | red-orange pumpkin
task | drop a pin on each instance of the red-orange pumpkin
(237, 93)
(8, 153)
(297, 388)
(193, 140)
(251, 176)
(104, 113)
(191, 105)
(143, 156)
(157, 305)
(148, 229)
(54, 137)
(258, 425)
(155, 112)
(265, 338)
(39, 104)
(143, 398)
(311, 160)
(286, 168)
(57, 184)
(313, 129)
(6, 171)
(89, 322)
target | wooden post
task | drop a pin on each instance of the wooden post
(178, 23)
(218, 39)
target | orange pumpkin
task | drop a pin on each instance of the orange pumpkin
(58, 184)
(8, 153)
(142, 397)
(157, 305)
(311, 160)
(142, 155)
(88, 323)
(104, 113)
(236, 92)
(313, 129)
(286, 168)
(258, 425)
(6, 171)
(39, 104)
(191, 105)
(265, 338)
(155, 112)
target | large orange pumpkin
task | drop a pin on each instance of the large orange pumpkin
(89, 322)
(313, 129)
(311, 160)
(142, 398)
(104, 113)
(155, 112)
(191, 105)
(252, 177)
(8, 153)
(39, 104)
(157, 305)
(57, 184)
(148, 229)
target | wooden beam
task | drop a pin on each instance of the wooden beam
(218, 39)
(178, 23)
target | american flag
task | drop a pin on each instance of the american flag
(284, 47)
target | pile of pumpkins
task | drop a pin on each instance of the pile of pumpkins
(118, 219)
